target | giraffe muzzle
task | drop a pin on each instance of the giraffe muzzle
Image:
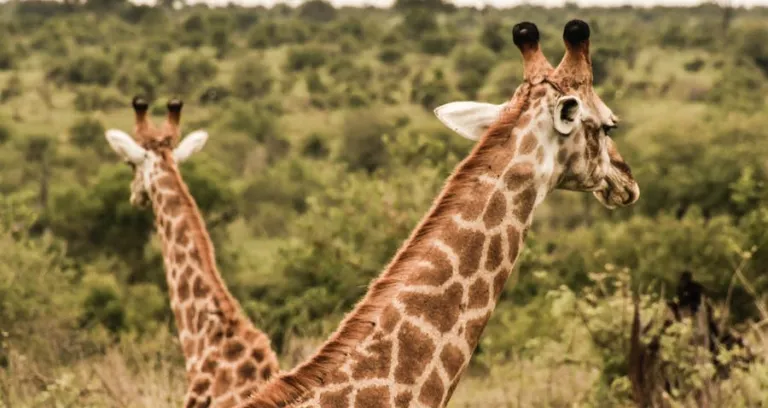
(621, 194)
(139, 200)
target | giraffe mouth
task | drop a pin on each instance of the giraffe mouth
(140, 200)
(613, 195)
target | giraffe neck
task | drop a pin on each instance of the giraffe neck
(226, 356)
(413, 334)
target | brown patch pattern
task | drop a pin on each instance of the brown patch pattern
(431, 393)
(478, 294)
(222, 382)
(468, 246)
(452, 360)
(498, 282)
(416, 349)
(496, 211)
(513, 240)
(495, 254)
(475, 329)
(389, 319)
(335, 399)
(442, 311)
(436, 274)
(403, 400)
(375, 365)
(528, 143)
(373, 397)
(475, 202)
(233, 349)
(524, 203)
(518, 174)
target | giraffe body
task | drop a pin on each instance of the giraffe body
(227, 358)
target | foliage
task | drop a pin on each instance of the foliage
(252, 78)
(324, 153)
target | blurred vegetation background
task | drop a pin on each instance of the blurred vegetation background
(324, 154)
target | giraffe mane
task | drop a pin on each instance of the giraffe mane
(289, 387)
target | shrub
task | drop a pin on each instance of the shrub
(470, 82)
(474, 58)
(694, 65)
(12, 89)
(103, 303)
(87, 68)
(89, 99)
(315, 84)
(271, 33)
(6, 55)
(302, 57)
(390, 55)
(191, 70)
(436, 43)
(315, 146)
(193, 31)
(363, 145)
(418, 22)
(87, 132)
(252, 78)
(492, 37)
(754, 47)
(214, 94)
(317, 10)
(5, 134)
(138, 81)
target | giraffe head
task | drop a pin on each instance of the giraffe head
(570, 123)
(152, 145)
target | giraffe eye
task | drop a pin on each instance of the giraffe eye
(608, 128)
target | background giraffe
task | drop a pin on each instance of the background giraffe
(226, 356)
(411, 337)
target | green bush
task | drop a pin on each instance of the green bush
(474, 58)
(317, 10)
(470, 82)
(190, 71)
(436, 43)
(252, 78)
(13, 88)
(86, 68)
(390, 55)
(302, 57)
(6, 55)
(315, 84)
(493, 37)
(363, 140)
(88, 132)
(88, 99)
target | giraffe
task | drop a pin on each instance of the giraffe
(408, 341)
(226, 356)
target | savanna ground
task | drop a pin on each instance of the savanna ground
(323, 156)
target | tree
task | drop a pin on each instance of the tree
(317, 10)
(252, 78)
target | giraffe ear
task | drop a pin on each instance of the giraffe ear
(567, 114)
(469, 119)
(124, 145)
(192, 143)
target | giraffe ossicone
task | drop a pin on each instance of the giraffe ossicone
(227, 358)
(408, 341)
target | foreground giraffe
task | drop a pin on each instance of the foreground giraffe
(226, 356)
(408, 341)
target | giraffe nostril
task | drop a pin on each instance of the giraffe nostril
(630, 196)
